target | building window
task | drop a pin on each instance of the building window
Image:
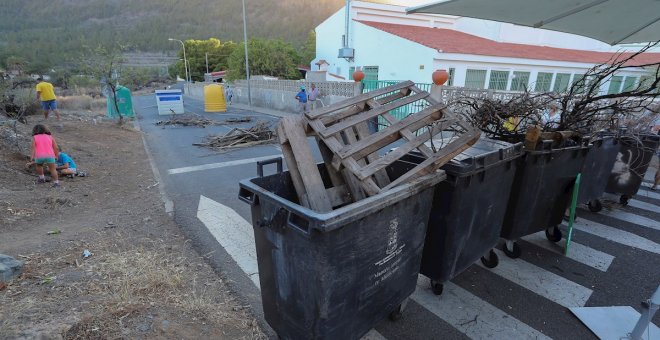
(450, 81)
(520, 81)
(543, 82)
(629, 83)
(498, 80)
(561, 82)
(579, 83)
(615, 85)
(350, 72)
(475, 79)
(370, 73)
(645, 82)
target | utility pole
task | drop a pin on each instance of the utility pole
(247, 63)
(207, 62)
(185, 61)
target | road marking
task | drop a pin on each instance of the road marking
(632, 218)
(542, 282)
(648, 193)
(578, 252)
(644, 206)
(236, 236)
(219, 165)
(471, 315)
(616, 235)
(233, 232)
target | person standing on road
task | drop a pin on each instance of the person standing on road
(46, 94)
(302, 100)
(312, 97)
(228, 94)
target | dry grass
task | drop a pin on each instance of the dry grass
(122, 283)
(81, 102)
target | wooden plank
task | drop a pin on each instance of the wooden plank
(407, 135)
(353, 185)
(327, 154)
(294, 130)
(390, 134)
(381, 176)
(290, 160)
(370, 187)
(439, 159)
(358, 99)
(343, 113)
(393, 97)
(338, 178)
(366, 115)
(395, 154)
(339, 196)
(430, 99)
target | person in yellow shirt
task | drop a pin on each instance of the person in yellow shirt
(46, 94)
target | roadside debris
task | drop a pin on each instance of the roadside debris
(260, 133)
(54, 232)
(199, 121)
(86, 253)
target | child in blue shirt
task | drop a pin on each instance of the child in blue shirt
(65, 165)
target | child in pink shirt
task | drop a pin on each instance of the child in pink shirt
(44, 152)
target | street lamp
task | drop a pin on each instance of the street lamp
(247, 64)
(185, 61)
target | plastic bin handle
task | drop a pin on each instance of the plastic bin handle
(247, 196)
(260, 165)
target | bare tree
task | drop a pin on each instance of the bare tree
(105, 65)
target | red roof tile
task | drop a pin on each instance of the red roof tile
(452, 41)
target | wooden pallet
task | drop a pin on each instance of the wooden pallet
(305, 175)
(343, 128)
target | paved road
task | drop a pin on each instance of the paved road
(615, 259)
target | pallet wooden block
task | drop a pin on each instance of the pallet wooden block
(343, 130)
(304, 172)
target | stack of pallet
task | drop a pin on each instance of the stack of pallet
(349, 144)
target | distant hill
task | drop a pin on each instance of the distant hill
(52, 31)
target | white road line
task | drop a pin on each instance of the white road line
(219, 165)
(632, 218)
(648, 193)
(577, 252)
(236, 235)
(644, 206)
(471, 315)
(542, 282)
(233, 232)
(616, 235)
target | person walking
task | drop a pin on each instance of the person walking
(44, 152)
(302, 100)
(312, 97)
(229, 93)
(46, 94)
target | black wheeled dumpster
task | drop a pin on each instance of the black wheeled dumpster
(468, 209)
(541, 193)
(335, 275)
(631, 164)
(596, 171)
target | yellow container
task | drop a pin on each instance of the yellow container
(214, 98)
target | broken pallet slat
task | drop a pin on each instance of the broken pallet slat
(294, 129)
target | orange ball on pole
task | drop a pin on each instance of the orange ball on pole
(440, 77)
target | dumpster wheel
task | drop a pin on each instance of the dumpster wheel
(491, 261)
(437, 287)
(397, 313)
(515, 250)
(595, 205)
(624, 200)
(553, 234)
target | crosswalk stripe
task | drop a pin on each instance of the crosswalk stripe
(577, 252)
(471, 315)
(542, 282)
(648, 193)
(236, 236)
(616, 235)
(632, 218)
(644, 206)
(233, 232)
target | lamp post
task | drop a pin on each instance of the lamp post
(185, 61)
(247, 64)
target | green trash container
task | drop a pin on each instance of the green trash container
(124, 103)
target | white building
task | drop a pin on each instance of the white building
(390, 45)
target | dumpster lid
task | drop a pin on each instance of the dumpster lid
(483, 154)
